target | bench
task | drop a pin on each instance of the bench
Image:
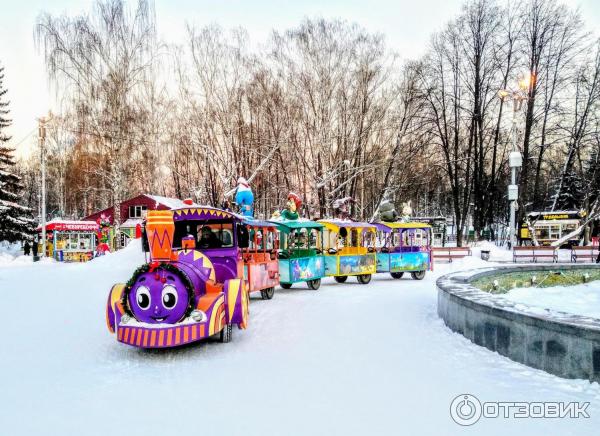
(449, 253)
(584, 253)
(535, 253)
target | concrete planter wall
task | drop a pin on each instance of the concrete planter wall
(560, 343)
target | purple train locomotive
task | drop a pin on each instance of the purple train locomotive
(191, 289)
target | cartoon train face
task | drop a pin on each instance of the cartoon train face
(160, 296)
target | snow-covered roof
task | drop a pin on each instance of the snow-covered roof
(60, 224)
(345, 223)
(171, 203)
(61, 221)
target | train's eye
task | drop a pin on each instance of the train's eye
(142, 296)
(169, 297)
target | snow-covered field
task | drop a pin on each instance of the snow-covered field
(582, 299)
(344, 360)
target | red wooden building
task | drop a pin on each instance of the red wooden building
(133, 211)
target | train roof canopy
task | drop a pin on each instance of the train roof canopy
(258, 223)
(387, 226)
(335, 225)
(287, 225)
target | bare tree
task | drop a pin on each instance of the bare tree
(100, 60)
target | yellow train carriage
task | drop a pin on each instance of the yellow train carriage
(349, 250)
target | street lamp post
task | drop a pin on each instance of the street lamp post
(42, 139)
(515, 159)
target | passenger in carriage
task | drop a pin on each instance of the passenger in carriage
(208, 239)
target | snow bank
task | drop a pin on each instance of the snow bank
(583, 299)
(12, 254)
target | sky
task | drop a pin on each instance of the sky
(406, 24)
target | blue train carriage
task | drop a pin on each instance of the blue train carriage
(349, 249)
(404, 247)
(300, 252)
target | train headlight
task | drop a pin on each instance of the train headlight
(198, 315)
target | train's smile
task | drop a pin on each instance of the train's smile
(159, 319)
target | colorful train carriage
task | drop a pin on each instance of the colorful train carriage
(261, 266)
(193, 286)
(349, 250)
(404, 247)
(300, 252)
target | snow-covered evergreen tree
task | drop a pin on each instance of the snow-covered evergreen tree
(16, 223)
(570, 192)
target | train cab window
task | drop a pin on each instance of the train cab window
(208, 235)
(207, 238)
(226, 237)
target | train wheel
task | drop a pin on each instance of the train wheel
(397, 275)
(363, 279)
(418, 275)
(285, 285)
(314, 284)
(340, 279)
(267, 294)
(226, 333)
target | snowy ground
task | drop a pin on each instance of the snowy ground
(344, 360)
(582, 299)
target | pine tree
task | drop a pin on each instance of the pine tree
(16, 223)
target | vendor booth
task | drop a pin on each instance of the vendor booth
(70, 241)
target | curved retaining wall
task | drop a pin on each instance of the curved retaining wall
(560, 343)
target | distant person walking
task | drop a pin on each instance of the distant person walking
(26, 248)
(35, 248)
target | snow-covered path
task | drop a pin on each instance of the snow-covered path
(347, 359)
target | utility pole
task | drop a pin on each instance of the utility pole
(42, 141)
